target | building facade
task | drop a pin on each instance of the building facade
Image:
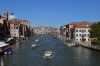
(3, 25)
(80, 32)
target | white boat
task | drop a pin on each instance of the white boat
(36, 40)
(5, 48)
(2, 63)
(22, 37)
(69, 44)
(34, 45)
(9, 40)
(48, 54)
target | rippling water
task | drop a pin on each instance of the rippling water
(24, 55)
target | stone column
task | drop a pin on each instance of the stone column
(23, 30)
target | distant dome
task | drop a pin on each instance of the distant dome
(11, 17)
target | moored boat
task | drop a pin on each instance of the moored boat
(5, 48)
(9, 41)
(55, 36)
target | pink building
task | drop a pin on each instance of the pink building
(4, 25)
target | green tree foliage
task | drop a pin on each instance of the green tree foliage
(95, 32)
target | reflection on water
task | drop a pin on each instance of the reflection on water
(24, 55)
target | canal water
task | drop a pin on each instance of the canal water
(24, 55)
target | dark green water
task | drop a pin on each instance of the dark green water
(24, 55)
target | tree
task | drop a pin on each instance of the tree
(95, 32)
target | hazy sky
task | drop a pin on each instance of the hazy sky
(53, 13)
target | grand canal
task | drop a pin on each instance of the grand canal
(24, 55)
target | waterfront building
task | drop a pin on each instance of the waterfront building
(52, 30)
(36, 31)
(46, 30)
(42, 30)
(31, 31)
(65, 29)
(18, 27)
(58, 30)
(80, 32)
(24, 28)
(14, 28)
(3, 25)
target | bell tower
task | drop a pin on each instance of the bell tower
(5, 15)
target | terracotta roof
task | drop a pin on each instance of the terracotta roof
(83, 24)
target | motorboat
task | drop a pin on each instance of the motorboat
(55, 36)
(48, 54)
(7, 40)
(5, 48)
(72, 45)
(34, 45)
(36, 40)
(22, 37)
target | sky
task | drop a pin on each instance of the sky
(54, 13)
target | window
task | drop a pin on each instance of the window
(79, 30)
(84, 34)
(88, 34)
(76, 30)
(80, 35)
(82, 31)
(88, 30)
(76, 35)
(16, 27)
